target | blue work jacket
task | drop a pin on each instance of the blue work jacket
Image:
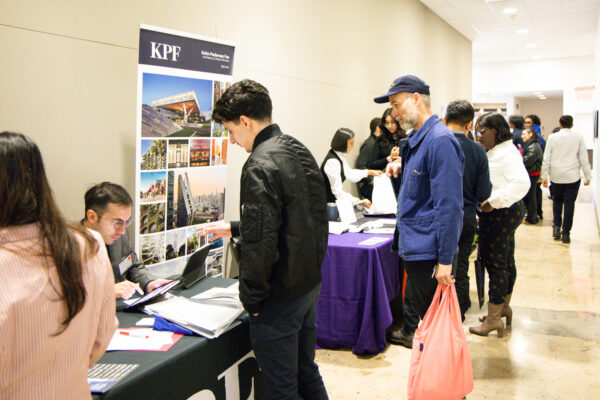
(430, 203)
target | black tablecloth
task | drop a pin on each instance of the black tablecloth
(193, 364)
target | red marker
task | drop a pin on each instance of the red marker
(134, 334)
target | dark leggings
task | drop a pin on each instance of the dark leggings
(497, 249)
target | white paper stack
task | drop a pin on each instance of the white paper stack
(209, 314)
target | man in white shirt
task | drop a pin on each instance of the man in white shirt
(564, 156)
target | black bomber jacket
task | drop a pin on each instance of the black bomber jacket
(283, 221)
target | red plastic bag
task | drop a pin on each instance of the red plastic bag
(440, 366)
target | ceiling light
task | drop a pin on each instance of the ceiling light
(542, 98)
(522, 31)
(537, 93)
(530, 45)
(537, 57)
(510, 11)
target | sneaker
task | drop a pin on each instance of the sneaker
(556, 232)
(398, 336)
(566, 238)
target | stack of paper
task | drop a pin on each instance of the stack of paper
(209, 314)
(142, 340)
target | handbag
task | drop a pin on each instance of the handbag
(440, 367)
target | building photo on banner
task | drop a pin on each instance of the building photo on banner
(181, 167)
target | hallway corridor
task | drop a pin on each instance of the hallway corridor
(553, 350)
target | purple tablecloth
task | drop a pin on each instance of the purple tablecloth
(358, 283)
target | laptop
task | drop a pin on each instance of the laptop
(194, 270)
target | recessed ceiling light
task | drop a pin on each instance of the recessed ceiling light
(537, 93)
(510, 11)
(522, 31)
(542, 98)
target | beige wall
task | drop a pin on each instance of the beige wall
(69, 72)
(548, 110)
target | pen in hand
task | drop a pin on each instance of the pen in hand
(139, 289)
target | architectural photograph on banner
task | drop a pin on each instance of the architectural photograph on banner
(219, 130)
(218, 89)
(153, 248)
(199, 152)
(152, 218)
(197, 196)
(176, 106)
(214, 261)
(194, 240)
(175, 244)
(218, 152)
(153, 187)
(154, 154)
(178, 153)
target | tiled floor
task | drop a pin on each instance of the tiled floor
(553, 350)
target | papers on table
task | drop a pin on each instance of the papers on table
(337, 228)
(102, 377)
(142, 340)
(380, 226)
(145, 322)
(375, 240)
(159, 291)
(209, 314)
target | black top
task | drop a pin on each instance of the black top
(365, 156)
(331, 154)
(533, 157)
(283, 222)
(380, 153)
(517, 139)
(477, 186)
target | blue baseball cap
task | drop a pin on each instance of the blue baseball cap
(406, 83)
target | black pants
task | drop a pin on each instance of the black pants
(538, 196)
(497, 249)
(531, 201)
(564, 196)
(420, 288)
(465, 245)
(283, 338)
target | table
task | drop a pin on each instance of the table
(221, 368)
(358, 284)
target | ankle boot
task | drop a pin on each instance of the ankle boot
(491, 323)
(506, 312)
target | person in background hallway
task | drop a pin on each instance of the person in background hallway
(283, 228)
(365, 186)
(387, 149)
(430, 203)
(57, 308)
(532, 158)
(108, 212)
(500, 216)
(476, 188)
(533, 122)
(515, 122)
(335, 168)
(565, 156)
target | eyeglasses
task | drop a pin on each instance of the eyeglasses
(117, 223)
(480, 132)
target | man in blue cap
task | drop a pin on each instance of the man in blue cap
(430, 201)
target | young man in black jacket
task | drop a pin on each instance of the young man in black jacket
(283, 228)
(476, 189)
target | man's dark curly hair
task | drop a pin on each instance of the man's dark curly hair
(245, 97)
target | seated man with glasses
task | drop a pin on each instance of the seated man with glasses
(108, 211)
